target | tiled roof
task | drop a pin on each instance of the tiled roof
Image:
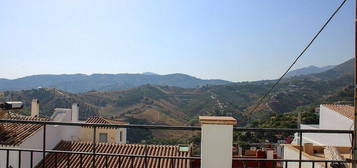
(73, 160)
(101, 120)
(345, 110)
(14, 134)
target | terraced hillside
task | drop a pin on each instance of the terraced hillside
(153, 104)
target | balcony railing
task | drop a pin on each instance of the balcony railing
(169, 159)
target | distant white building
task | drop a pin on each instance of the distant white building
(65, 114)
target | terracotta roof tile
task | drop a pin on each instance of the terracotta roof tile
(74, 160)
(14, 133)
(345, 110)
(101, 120)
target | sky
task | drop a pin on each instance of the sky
(236, 40)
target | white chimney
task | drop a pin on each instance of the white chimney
(270, 154)
(75, 112)
(216, 141)
(35, 108)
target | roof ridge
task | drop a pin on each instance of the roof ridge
(125, 149)
(337, 105)
(106, 120)
(344, 110)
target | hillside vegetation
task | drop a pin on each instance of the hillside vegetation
(170, 105)
(173, 105)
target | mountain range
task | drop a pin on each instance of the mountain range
(178, 105)
(78, 83)
(309, 70)
(172, 105)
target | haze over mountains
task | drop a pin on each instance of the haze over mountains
(309, 70)
(172, 105)
(78, 83)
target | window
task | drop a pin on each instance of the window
(103, 137)
(121, 136)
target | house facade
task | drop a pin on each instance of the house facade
(104, 134)
(332, 117)
(318, 146)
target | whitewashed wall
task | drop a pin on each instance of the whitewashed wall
(332, 120)
(117, 137)
(294, 155)
(54, 134)
(11, 161)
(216, 146)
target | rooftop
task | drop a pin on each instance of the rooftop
(114, 161)
(101, 120)
(15, 133)
(319, 152)
(345, 110)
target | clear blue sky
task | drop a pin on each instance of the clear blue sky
(236, 40)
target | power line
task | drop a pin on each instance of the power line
(260, 101)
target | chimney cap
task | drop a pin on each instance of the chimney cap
(35, 100)
(217, 120)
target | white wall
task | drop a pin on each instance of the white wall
(294, 155)
(33, 142)
(69, 133)
(117, 137)
(54, 134)
(13, 158)
(35, 108)
(62, 114)
(216, 146)
(331, 120)
(309, 137)
(75, 112)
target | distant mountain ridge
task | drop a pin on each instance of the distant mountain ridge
(179, 106)
(149, 73)
(78, 83)
(309, 70)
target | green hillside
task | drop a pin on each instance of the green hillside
(152, 104)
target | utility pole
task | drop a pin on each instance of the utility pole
(354, 144)
(299, 120)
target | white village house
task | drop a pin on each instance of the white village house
(216, 152)
(30, 136)
(332, 117)
(327, 145)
